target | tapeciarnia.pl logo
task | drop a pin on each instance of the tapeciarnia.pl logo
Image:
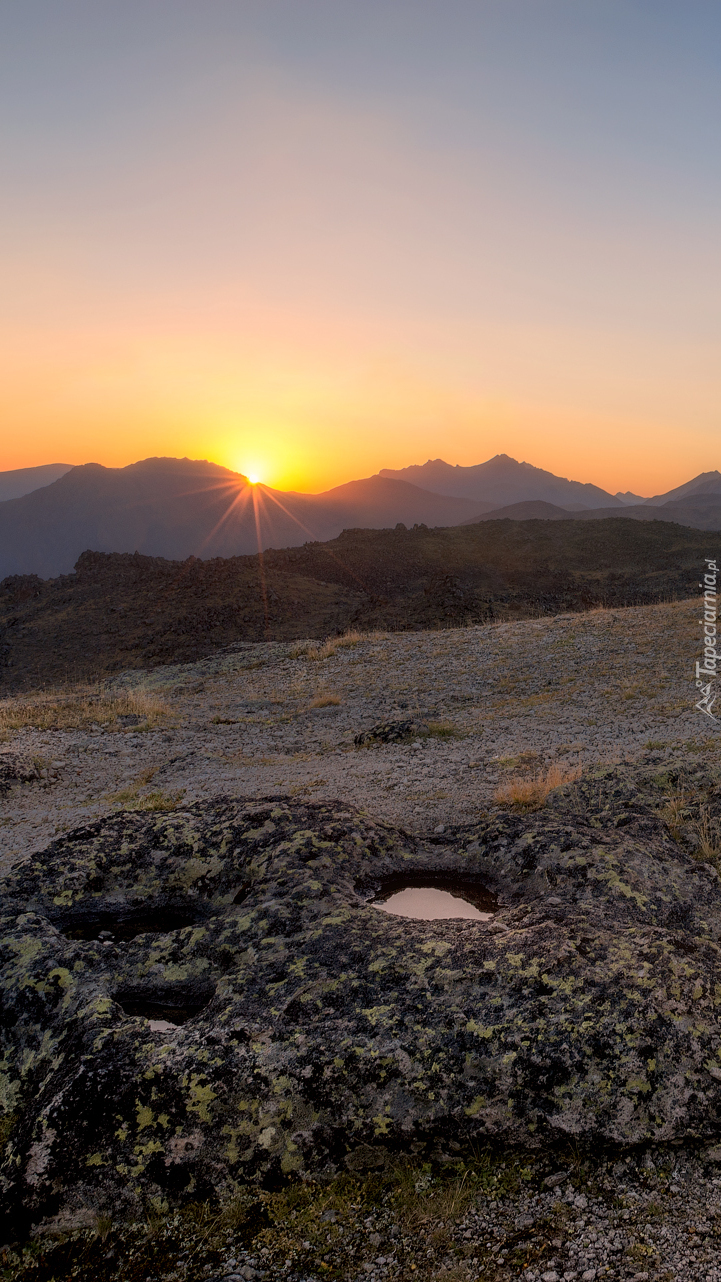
(707, 667)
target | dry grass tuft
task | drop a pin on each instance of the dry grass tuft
(329, 647)
(326, 649)
(103, 1225)
(81, 707)
(700, 829)
(675, 812)
(706, 829)
(131, 793)
(442, 730)
(530, 793)
(130, 799)
(326, 701)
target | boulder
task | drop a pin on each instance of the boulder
(393, 731)
(194, 1000)
(16, 768)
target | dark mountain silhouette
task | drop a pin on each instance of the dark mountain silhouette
(704, 484)
(628, 496)
(22, 480)
(531, 509)
(176, 508)
(702, 513)
(501, 481)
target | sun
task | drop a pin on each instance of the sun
(253, 478)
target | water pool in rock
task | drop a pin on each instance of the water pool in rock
(430, 903)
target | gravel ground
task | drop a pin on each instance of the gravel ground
(655, 1215)
(500, 700)
(504, 699)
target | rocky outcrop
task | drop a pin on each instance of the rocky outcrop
(399, 730)
(197, 999)
(16, 768)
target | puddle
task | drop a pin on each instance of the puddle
(110, 927)
(165, 1009)
(429, 898)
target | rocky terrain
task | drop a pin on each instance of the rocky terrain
(201, 1000)
(130, 611)
(498, 701)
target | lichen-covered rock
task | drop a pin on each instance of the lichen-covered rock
(15, 768)
(196, 999)
(393, 731)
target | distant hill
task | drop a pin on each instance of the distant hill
(177, 508)
(704, 484)
(702, 513)
(531, 509)
(21, 480)
(502, 481)
(130, 611)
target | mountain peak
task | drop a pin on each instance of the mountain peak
(501, 481)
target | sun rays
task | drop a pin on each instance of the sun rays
(241, 500)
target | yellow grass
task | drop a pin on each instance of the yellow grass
(130, 793)
(159, 800)
(678, 815)
(131, 798)
(333, 644)
(676, 811)
(530, 792)
(326, 649)
(326, 701)
(706, 828)
(80, 707)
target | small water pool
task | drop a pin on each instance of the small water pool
(426, 901)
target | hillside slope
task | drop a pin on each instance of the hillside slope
(124, 611)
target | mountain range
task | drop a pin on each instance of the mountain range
(177, 508)
(500, 481)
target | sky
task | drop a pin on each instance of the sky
(307, 239)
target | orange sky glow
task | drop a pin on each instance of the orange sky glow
(309, 262)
